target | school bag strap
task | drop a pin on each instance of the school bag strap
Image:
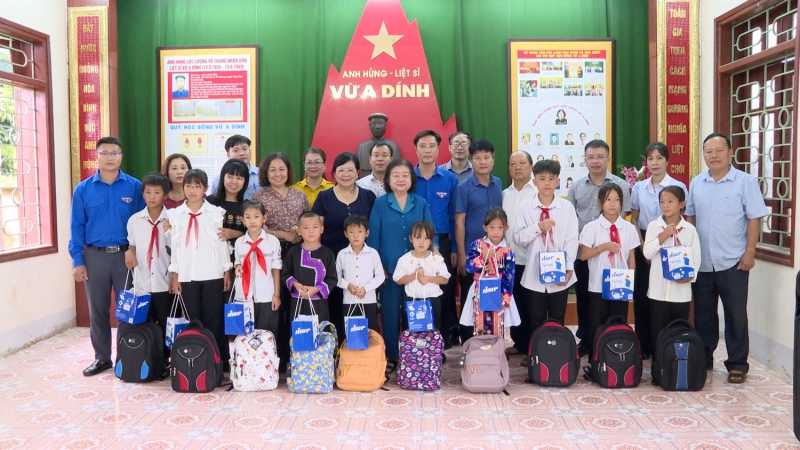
(683, 323)
(616, 320)
(324, 325)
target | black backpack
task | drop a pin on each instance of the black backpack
(553, 356)
(195, 365)
(680, 362)
(617, 359)
(140, 354)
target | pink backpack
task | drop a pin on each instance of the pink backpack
(420, 360)
(484, 366)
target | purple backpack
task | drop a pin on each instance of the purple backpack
(420, 360)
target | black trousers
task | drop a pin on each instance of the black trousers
(641, 304)
(449, 307)
(521, 333)
(584, 332)
(600, 310)
(730, 286)
(370, 312)
(662, 313)
(436, 303)
(266, 319)
(160, 305)
(543, 306)
(205, 301)
(336, 310)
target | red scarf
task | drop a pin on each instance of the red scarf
(153, 242)
(543, 216)
(193, 221)
(614, 235)
(246, 265)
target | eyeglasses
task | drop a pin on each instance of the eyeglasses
(109, 154)
(314, 163)
(459, 144)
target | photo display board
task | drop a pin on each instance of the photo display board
(561, 97)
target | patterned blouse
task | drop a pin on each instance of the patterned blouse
(282, 213)
(503, 266)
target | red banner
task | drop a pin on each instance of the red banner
(89, 100)
(678, 89)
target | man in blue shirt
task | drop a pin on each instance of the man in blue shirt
(474, 197)
(436, 186)
(101, 207)
(726, 205)
(180, 84)
(238, 147)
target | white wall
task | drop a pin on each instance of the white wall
(771, 302)
(37, 295)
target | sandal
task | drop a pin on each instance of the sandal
(391, 366)
(736, 376)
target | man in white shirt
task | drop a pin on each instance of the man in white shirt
(379, 157)
(238, 147)
(520, 167)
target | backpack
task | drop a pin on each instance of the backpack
(616, 361)
(140, 352)
(680, 363)
(362, 370)
(195, 364)
(484, 365)
(254, 363)
(311, 372)
(553, 356)
(420, 365)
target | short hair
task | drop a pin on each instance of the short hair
(233, 167)
(248, 204)
(356, 220)
(196, 176)
(605, 189)
(582, 134)
(235, 140)
(308, 214)
(656, 147)
(530, 158)
(263, 168)
(394, 165)
(315, 151)
(344, 158)
(597, 143)
(677, 191)
(481, 145)
(424, 229)
(108, 140)
(547, 166)
(708, 138)
(495, 213)
(168, 161)
(424, 133)
(458, 133)
(157, 180)
(382, 144)
(180, 76)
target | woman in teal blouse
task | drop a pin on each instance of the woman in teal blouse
(389, 225)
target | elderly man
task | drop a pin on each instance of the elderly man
(726, 205)
(377, 125)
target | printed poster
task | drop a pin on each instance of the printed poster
(561, 97)
(206, 95)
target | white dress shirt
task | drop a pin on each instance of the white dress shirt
(204, 258)
(151, 274)
(661, 288)
(529, 236)
(433, 265)
(362, 269)
(262, 284)
(597, 232)
(512, 198)
(371, 184)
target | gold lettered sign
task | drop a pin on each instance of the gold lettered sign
(88, 87)
(678, 85)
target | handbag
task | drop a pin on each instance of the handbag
(356, 329)
(618, 283)
(176, 324)
(305, 328)
(552, 264)
(238, 316)
(132, 304)
(676, 261)
(419, 312)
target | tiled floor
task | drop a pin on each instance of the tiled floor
(46, 403)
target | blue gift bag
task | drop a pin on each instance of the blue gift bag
(489, 295)
(305, 328)
(618, 284)
(419, 313)
(239, 318)
(676, 263)
(132, 304)
(357, 331)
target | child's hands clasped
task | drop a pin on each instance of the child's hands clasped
(547, 225)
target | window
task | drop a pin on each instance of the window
(755, 100)
(27, 201)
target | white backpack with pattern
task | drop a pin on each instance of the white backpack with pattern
(254, 362)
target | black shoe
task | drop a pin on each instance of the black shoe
(97, 367)
(454, 340)
(226, 367)
(583, 350)
(710, 366)
(391, 366)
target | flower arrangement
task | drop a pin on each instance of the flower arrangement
(632, 174)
